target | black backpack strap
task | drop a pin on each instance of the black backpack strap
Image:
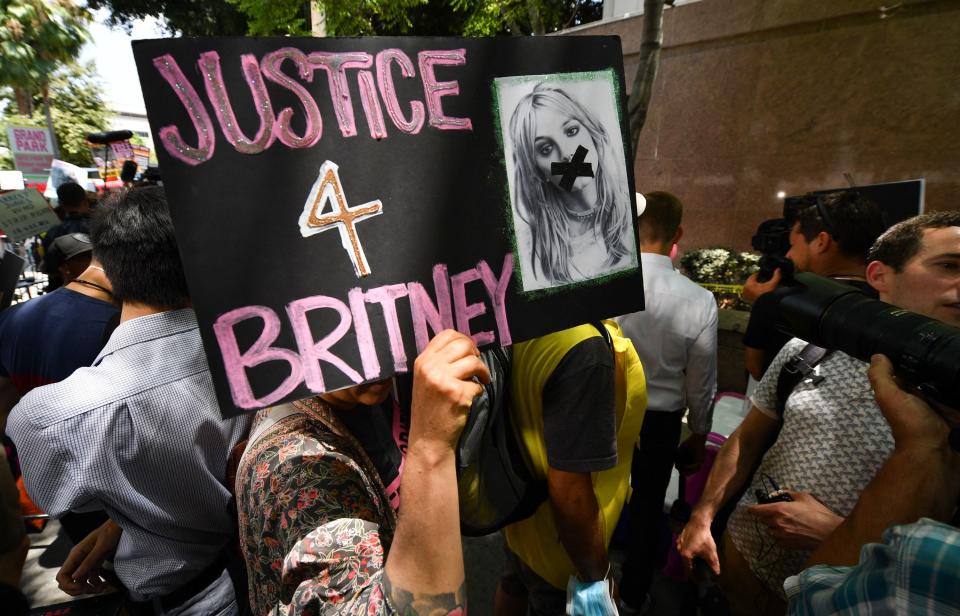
(603, 332)
(799, 367)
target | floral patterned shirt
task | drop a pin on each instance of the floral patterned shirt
(315, 522)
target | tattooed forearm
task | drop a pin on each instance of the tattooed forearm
(409, 603)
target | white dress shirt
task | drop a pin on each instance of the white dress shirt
(676, 338)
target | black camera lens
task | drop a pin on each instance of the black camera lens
(833, 315)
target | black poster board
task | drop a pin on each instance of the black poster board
(337, 201)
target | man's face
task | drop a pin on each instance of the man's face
(800, 249)
(930, 282)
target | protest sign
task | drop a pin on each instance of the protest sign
(338, 201)
(25, 213)
(32, 151)
(62, 172)
(10, 267)
(11, 180)
(109, 158)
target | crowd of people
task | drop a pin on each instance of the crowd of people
(834, 495)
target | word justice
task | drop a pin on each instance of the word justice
(377, 93)
(449, 309)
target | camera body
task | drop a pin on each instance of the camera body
(772, 241)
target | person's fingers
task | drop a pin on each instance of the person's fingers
(97, 583)
(73, 588)
(63, 577)
(466, 368)
(464, 394)
(714, 561)
(91, 563)
(444, 339)
(881, 378)
(775, 278)
(74, 558)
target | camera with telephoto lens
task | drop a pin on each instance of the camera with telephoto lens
(772, 241)
(832, 315)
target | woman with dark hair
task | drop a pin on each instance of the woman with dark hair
(316, 496)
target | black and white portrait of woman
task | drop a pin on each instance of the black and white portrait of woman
(566, 168)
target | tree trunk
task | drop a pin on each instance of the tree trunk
(24, 101)
(46, 112)
(318, 19)
(651, 42)
(536, 24)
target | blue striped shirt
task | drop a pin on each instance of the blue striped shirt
(139, 435)
(916, 570)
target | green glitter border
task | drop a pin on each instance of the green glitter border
(608, 74)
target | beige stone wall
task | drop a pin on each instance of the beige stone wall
(759, 96)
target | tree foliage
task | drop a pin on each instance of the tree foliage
(36, 38)
(357, 17)
(184, 17)
(77, 107)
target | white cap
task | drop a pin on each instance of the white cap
(641, 204)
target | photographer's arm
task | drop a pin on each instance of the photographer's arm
(735, 461)
(920, 479)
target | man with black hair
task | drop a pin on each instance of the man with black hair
(676, 338)
(44, 340)
(825, 441)
(139, 433)
(73, 199)
(830, 237)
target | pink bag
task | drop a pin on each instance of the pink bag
(695, 484)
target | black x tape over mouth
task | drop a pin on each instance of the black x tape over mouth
(574, 169)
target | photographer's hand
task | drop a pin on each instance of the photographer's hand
(914, 423)
(753, 288)
(800, 524)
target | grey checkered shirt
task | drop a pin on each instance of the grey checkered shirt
(139, 435)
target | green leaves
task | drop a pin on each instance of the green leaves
(37, 37)
(77, 107)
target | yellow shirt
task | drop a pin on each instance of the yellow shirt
(535, 540)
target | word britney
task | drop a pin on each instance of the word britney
(276, 126)
(450, 310)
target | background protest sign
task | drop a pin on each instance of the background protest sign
(32, 151)
(337, 201)
(11, 180)
(62, 172)
(25, 213)
(109, 157)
